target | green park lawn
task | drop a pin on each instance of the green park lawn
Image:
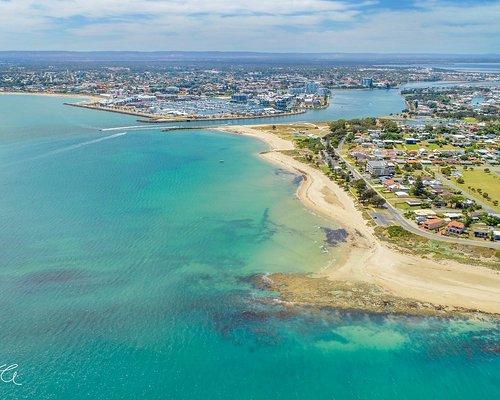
(425, 145)
(486, 182)
(403, 205)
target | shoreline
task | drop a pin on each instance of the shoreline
(47, 94)
(365, 259)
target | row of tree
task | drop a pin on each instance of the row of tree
(366, 195)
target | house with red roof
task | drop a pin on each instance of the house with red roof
(433, 224)
(455, 227)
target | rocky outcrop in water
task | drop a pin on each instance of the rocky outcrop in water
(305, 290)
(335, 236)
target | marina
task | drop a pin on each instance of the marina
(345, 104)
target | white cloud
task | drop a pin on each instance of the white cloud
(20, 9)
(279, 25)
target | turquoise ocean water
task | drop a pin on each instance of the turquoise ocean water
(124, 270)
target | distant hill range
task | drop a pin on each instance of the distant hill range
(240, 57)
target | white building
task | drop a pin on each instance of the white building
(380, 168)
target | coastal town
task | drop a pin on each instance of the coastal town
(219, 91)
(470, 103)
(213, 79)
(440, 181)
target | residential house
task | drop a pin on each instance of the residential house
(476, 215)
(455, 227)
(482, 232)
(428, 213)
(433, 224)
(452, 215)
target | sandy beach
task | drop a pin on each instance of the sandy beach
(78, 96)
(365, 259)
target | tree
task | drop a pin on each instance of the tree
(460, 181)
(418, 187)
(359, 184)
(377, 201)
(446, 171)
(491, 220)
(409, 214)
(367, 195)
(408, 167)
(457, 201)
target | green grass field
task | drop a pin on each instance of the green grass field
(425, 145)
(403, 206)
(486, 182)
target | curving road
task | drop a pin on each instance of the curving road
(397, 215)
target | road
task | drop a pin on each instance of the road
(401, 220)
(449, 183)
(383, 218)
(408, 226)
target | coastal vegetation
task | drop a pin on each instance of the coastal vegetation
(405, 241)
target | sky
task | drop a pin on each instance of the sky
(385, 26)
